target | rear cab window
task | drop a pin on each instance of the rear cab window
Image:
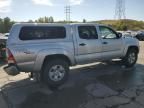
(87, 32)
(42, 32)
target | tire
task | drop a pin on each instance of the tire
(55, 72)
(131, 58)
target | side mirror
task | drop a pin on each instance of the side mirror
(119, 35)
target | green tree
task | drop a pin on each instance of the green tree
(46, 19)
(5, 24)
(1, 26)
(51, 20)
(84, 20)
(40, 20)
(30, 21)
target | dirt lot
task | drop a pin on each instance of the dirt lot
(100, 85)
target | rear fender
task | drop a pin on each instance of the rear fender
(43, 53)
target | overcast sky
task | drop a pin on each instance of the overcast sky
(23, 10)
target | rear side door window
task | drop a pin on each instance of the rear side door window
(87, 32)
(38, 33)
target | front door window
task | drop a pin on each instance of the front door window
(107, 33)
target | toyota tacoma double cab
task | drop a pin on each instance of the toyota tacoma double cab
(48, 50)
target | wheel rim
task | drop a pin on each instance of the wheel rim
(56, 73)
(132, 58)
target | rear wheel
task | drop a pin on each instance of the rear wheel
(55, 72)
(131, 58)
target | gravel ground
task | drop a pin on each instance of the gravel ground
(99, 85)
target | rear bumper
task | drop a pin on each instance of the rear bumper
(11, 70)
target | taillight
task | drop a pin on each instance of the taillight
(10, 57)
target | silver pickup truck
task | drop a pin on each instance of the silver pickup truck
(48, 50)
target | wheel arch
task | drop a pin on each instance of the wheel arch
(57, 56)
(131, 47)
(129, 60)
(53, 54)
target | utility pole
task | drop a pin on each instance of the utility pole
(120, 14)
(68, 13)
(120, 10)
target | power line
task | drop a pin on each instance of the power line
(68, 13)
(120, 10)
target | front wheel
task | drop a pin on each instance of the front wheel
(55, 72)
(131, 58)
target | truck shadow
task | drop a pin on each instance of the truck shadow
(29, 94)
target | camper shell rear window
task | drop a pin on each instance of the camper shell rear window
(36, 33)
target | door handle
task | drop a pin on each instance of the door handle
(27, 52)
(105, 42)
(82, 44)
